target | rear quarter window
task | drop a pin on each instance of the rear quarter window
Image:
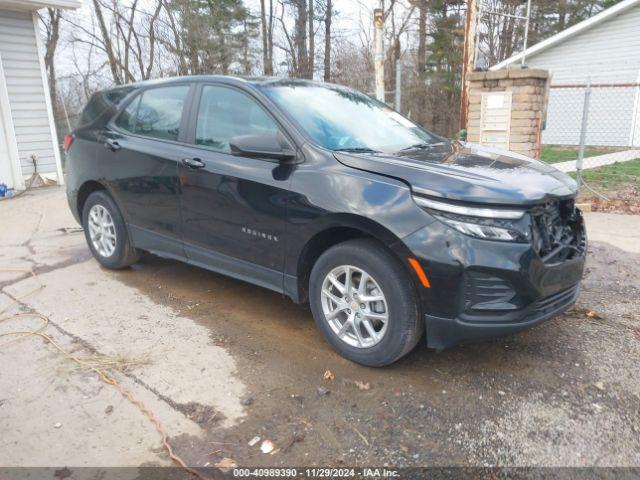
(127, 119)
(101, 105)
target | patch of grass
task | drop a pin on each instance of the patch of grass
(614, 176)
(554, 154)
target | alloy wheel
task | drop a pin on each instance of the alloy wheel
(354, 306)
(102, 230)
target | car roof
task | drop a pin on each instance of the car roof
(228, 79)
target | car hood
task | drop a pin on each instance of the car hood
(467, 172)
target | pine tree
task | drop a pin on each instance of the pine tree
(217, 35)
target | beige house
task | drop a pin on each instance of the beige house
(27, 130)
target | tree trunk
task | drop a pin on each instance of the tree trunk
(270, 35)
(108, 46)
(183, 68)
(246, 61)
(300, 39)
(53, 35)
(266, 52)
(422, 64)
(327, 41)
(312, 42)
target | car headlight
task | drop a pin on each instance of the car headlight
(503, 224)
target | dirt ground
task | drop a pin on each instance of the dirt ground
(220, 362)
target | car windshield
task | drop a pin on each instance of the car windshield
(338, 118)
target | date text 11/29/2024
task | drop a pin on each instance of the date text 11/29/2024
(317, 472)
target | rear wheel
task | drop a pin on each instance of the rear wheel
(364, 303)
(106, 233)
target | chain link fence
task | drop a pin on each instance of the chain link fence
(592, 132)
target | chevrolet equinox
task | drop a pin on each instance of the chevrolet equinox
(330, 197)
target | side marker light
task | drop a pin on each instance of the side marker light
(420, 272)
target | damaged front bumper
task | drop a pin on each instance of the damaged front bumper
(480, 289)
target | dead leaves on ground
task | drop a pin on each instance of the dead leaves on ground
(587, 313)
(362, 386)
(226, 463)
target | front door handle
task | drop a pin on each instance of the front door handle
(193, 163)
(112, 144)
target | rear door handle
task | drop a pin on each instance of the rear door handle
(112, 144)
(193, 163)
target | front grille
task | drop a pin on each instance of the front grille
(558, 231)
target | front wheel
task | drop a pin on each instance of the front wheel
(364, 303)
(106, 232)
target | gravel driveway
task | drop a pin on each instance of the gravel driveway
(221, 362)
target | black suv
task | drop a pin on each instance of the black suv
(328, 196)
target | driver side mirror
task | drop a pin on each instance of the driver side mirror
(267, 145)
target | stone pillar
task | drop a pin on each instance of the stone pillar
(527, 103)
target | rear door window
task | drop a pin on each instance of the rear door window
(225, 113)
(157, 113)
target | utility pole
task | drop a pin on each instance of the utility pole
(526, 35)
(378, 58)
(470, 41)
(398, 103)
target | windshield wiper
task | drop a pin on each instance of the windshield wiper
(356, 150)
(422, 146)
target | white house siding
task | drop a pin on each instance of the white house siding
(26, 91)
(608, 53)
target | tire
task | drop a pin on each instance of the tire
(123, 253)
(403, 325)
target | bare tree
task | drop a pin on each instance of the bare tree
(422, 61)
(289, 47)
(52, 28)
(300, 39)
(127, 36)
(128, 40)
(352, 64)
(267, 37)
(328, 17)
(107, 43)
(146, 71)
(399, 17)
(312, 40)
(173, 41)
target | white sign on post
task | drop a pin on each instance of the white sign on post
(495, 119)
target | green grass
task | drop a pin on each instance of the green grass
(551, 154)
(608, 178)
(615, 175)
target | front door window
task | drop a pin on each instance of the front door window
(225, 113)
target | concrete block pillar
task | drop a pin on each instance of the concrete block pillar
(506, 109)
